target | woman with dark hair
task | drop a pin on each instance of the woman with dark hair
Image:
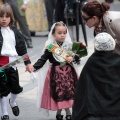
(96, 15)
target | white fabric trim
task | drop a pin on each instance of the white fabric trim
(67, 44)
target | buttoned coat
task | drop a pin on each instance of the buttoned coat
(112, 23)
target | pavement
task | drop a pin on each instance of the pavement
(27, 99)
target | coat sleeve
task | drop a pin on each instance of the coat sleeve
(39, 64)
(21, 46)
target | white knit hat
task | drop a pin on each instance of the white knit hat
(104, 42)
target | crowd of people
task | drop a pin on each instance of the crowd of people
(92, 95)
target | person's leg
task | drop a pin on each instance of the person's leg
(13, 104)
(15, 88)
(4, 91)
(68, 114)
(4, 110)
(13, 100)
(58, 115)
(50, 6)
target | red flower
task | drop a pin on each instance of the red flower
(26, 57)
(82, 45)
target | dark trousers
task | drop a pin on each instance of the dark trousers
(50, 6)
(9, 82)
(22, 23)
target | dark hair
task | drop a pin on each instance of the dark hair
(95, 9)
(109, 1)
(6, 9)
(58, 24)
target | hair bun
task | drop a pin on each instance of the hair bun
(105, 7)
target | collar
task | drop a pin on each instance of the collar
(60, 43)
(5, 28)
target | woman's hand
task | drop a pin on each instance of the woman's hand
(69, 59)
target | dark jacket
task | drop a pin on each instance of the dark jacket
(98, 89)
(20, 44)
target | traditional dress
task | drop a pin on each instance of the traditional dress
(60, 81)
(98, 90)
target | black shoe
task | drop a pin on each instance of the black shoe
(59, 117)
(5, 117)
(68, 117)
(15, 109)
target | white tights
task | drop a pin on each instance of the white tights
(3, 101)
(67, 110)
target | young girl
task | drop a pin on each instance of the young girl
(59, 86)
(11, 45)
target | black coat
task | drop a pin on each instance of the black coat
(98, 89)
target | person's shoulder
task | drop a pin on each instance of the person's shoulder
(112, 15)
(14, 28)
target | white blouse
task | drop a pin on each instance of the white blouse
(9, 43)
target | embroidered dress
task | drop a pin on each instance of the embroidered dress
(56, 90)
(59, 90)
(60, 82)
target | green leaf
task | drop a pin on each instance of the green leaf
(63, 63)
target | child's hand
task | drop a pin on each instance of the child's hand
(69, 59)
(29, 68)
(24, 7)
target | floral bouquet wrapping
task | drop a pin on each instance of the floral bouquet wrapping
(80, 49)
